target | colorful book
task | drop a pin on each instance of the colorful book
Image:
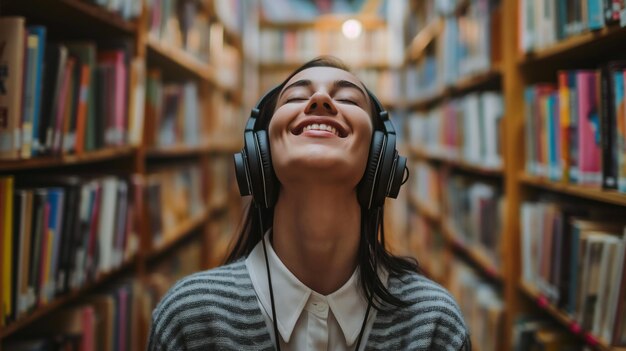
(6, 235)
(85, 128)
(12, 34)
(611, 92)
(56, 58)
(589, 138)
(62, 106)
(620, 109)
(56, 198)
(115, 134)
(40, 33)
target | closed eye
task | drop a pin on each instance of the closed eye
(347, 101)
(295, 99)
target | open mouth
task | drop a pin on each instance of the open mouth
(323, 126)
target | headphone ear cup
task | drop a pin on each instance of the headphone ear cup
(365, 190)
(269, 181)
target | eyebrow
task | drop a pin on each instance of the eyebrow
(336, 84)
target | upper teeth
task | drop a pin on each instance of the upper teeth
(321, 126)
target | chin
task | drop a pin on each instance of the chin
(319, 168)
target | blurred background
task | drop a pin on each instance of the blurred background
(119, 119)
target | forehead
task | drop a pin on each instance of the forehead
(325, 76)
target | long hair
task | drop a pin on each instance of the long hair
(372, 253)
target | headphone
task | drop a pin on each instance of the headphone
(383, 173)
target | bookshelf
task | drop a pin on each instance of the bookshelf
(288, 45)
(512, 73)
(135, 162)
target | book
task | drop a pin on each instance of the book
(40, 33)
(116, 85)
(55, 63)
(82, 130)
(612, 94)
(620, 109)
(6, 234)
(589, 137)
(62, 107)
(30, 91)
(56, 198)
(12, 34)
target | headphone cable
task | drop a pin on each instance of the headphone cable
(269, 280)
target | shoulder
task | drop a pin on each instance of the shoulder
(422, 293)
(205, 305)
(431, 319)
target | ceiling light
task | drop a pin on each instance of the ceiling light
(351, 28)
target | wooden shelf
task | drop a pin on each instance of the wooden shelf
(224, 145)
(429, 213)
(423, 38)
(463, 86)
(430, 32)
(180, 233)
(68, 160)
(85, 16)
(179, 62)
(325, 22)
(428, 272)
(176, 151)
(597, 194)
(474, 254)
(565, 320)
(213, 145)
(588, 44)
(64, 300)
(419, 154)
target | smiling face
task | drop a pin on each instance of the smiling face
(321, 128)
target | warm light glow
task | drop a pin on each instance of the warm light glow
(351, 28)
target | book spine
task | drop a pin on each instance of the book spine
(620, 107)
(40, 32)
(595, 15)
(28, 112)
(6, 234)
(12, 34)
(589, 162)
(607, 128)
(81, 114)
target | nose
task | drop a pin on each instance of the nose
(320, 104)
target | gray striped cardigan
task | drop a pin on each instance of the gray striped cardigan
(218, 310)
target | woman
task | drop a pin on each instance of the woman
(321, 278)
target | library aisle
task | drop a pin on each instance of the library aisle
(119, 119)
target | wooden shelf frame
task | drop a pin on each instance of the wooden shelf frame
(432, 215)
(486, 267)
(565, 320)
(96, 23)
(102, 155)
(591, 42)
(419, 154)
(325, 22)
(429, 32)
(85, 15)
(463, 86)
(176, 151)
(597, 194)
(66, 299)
(180, 60)
(183, 231)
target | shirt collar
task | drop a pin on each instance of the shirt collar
(290, 295)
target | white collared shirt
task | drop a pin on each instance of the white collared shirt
(308, 320)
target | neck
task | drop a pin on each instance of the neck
(316, 234)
